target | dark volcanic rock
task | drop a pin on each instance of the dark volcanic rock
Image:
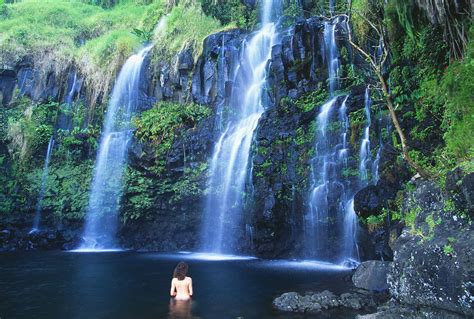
(460, 188)
(372, 275)
(7, 85)
(434, 258)
(396, 311)
(212, 75)
(367, 201)
(314, 302)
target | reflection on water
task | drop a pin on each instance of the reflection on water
(124, 285)
(180, 309)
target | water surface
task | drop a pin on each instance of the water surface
(136, 285)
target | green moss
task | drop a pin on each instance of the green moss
(432, 223)
(312, 99)
(410, 217)
(448, 250)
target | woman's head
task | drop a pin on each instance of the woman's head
(181, 270)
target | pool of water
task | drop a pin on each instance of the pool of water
(136, 285)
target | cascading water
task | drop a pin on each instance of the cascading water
(330, 224)
(44, 175)
(229, 166)
(101, 219)
(332, 54)
(74, 88)
(376, 162)
(330, 219)
(364, 155)
(332, 7)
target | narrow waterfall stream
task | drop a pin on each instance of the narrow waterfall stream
(330, 223)
(75, 87)
(101, 218)
(44, 176)
(365, 157)
(64, 122)
(229, 165)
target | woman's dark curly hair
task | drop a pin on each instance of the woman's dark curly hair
(181, 270)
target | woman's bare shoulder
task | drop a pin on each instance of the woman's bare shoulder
(189, 279)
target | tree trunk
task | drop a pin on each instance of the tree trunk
(391, 108)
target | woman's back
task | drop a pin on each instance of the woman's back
(182, 289)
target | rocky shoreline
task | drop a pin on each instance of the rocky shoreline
(431, 275)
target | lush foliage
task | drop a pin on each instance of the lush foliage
(228, 12)
(434, 95)
(56, 33)
(160, 125)
(22, 153)
(186, 26)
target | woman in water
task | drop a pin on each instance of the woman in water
(181, 285)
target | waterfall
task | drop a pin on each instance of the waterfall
(332, 7)
(101, 218)
(364, 155)
(316, 226)
(376, 162)
(229, 165)
(329, 218)
(331, 54)
(330, 224)
(44, 175)
(74, 88)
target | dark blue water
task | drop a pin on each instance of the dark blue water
(136, 285)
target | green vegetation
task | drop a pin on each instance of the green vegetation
(186, 26)
(160, 125)
(30, 126)
(448, 250)
(58, 32)
(230, 11)
(431, 89)
(312, 99)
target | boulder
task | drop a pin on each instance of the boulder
(433, 258)
(313, 302)
(372, 275)
(467, 190)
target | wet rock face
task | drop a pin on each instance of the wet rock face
(433, 258)
(159, 232)
(39, 85)
(212, 77)
(7, 86)
(16, 234)
(372, 275)
(368, 201)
